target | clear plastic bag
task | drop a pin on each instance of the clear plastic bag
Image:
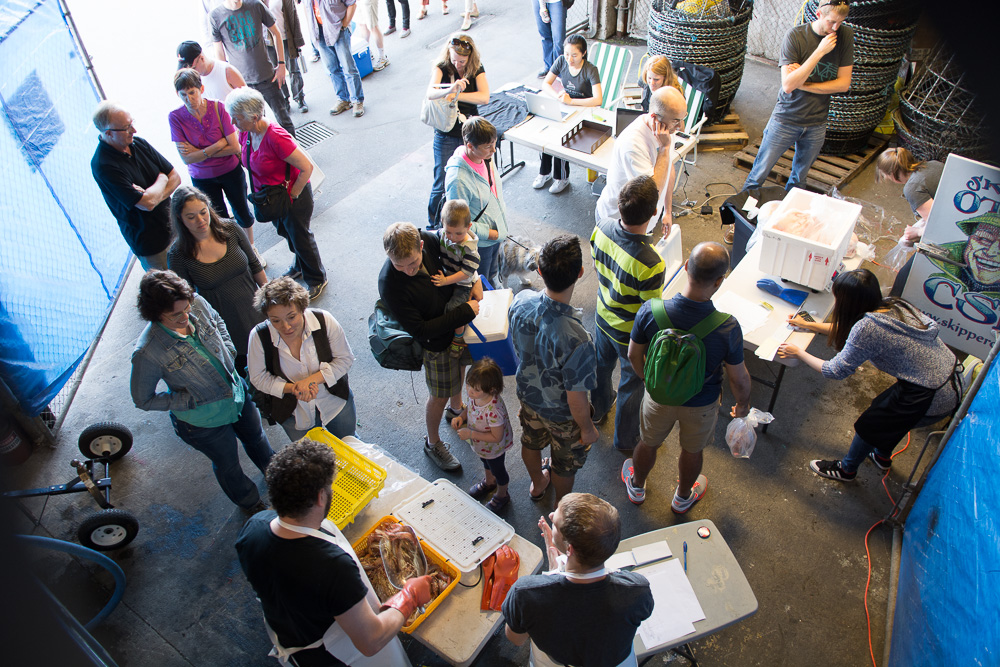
(896, 258)
(740, 434)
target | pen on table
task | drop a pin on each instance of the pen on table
(685, 556)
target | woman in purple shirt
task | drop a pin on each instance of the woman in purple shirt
(206, 140)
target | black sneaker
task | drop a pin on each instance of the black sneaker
(316, 290)
(881, 463)
(831, 470)
(293, 273)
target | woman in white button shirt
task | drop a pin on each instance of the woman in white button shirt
(310, 386)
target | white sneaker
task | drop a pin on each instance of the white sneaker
(260, 258)
(380, 64)
(559, 185)
(541, 181)
(404, 34)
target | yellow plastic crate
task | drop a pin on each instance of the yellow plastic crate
(361, 546)
(357, 482)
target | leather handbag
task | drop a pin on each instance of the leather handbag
(271, 202)
(439, 114)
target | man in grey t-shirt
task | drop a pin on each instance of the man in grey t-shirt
(238, 30)
(816, 61)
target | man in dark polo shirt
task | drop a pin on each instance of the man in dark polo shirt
(136, 182)
(405, 286)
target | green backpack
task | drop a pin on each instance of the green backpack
(675, 359)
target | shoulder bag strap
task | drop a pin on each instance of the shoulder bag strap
(660, 314)
(246, 152)
(272, 361)
(709, 324)
(325, 354)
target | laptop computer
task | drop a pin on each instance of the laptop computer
(544, 106)
(623, 117)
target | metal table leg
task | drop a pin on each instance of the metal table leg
(506, 169)
(775, 386)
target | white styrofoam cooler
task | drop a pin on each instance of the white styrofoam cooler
(493, 323)
(804, 261)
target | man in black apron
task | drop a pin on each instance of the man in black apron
(319, 607)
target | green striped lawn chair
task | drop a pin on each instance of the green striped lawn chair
(613, 63)
(695, 118)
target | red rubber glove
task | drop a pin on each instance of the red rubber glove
(416, 593)
(488, 564)
(504, 575)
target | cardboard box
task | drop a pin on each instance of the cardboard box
(804, 261)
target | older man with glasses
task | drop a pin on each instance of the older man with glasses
(136, 181)
(643, 149)
(816, 61)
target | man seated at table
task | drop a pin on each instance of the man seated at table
(406, 288)
(319, 607)
(706, 269)
(643, 149)
(578, 613)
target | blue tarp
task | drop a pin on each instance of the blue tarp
(948, 604)
(62, 258)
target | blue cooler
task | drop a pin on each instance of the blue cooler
(362, 54)
(489, 334)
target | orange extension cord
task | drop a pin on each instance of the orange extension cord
(868, 617)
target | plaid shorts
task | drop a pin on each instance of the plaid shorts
(568, 452)
(443, 370)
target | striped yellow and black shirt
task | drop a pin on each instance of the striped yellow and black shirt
(629, 273)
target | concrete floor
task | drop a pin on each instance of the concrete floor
(799, 538)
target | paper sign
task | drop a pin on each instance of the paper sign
(675, 606)
(650, 552)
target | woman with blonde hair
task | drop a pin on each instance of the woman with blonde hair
(920, 182)
(458, 74)
(656, 73)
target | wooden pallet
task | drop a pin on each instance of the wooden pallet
(827, 173)
(726, 135)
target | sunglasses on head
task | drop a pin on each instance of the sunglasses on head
(836, 3)
(462, 47)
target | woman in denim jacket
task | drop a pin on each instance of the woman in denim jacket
(186, 345)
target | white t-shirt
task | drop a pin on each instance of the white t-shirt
(634, 155)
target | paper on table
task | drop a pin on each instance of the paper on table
(769, 347)
(750, 315)
(618, 561)
(650, 552)
(675, 606)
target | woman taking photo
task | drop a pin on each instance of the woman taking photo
(898, 340)
(215, 257)
(656, 73)
(920, 182)
(206, 141)
(581, 84)
(272, 157)
(187, 346)
(313, 357)
(458, 74)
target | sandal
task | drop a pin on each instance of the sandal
(466, 22)
(422, 14)
(546, 468)
(475, 11)
(481, 488)
(497, 503)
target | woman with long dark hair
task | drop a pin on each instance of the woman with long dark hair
(216, 258)
(457, 74)
(898, 340)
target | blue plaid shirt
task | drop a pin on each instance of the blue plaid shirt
(556, 352)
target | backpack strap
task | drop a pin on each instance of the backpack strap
(272, 363)
(660, 314)
(709, 324)
(340, 388)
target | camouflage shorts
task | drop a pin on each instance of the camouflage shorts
(443, 370)
(567, 451)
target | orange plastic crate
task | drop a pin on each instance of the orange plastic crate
(361, 546)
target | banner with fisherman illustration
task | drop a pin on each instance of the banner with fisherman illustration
(957, 280)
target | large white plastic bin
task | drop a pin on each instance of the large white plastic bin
(804, 261)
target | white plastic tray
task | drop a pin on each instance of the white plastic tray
(455, 524)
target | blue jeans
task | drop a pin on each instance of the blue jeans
(860, 449)
(219, 445)
(444, 146)
(343, 425)
(630, 388)
(779, 137)
(338, 58)
(234, 185)
(552, 33)
(489, 263)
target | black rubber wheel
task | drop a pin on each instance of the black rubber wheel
(105, 440)
(107, 530)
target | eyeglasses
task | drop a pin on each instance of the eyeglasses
(462, 47)
(178, 317)
(128, 128)
(671, 122)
